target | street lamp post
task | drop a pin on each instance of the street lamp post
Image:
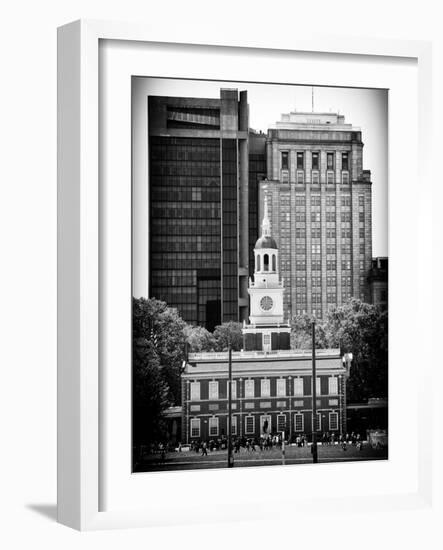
(314, 399)
(347, 360)
(230, 456)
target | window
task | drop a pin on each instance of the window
(249, 388)
(315, 216)
(330, 178)
(315, 200)
(281, 422)
(345, 178)
(249, 425)
(300, 200)
(213, 390)
(281, 386)
(315, 177)
(298, 386)
(315, 249)
(300, 177)
(330, 161)
(331, 265)
(233, 425)
(362, 248)
(299, 422)
(300, 233)
(361, 200)
(195, 427)
(344, 162)
(285, 160)
(346, 264)
(315, 163)
(316, 281)
(195, 391)
(265, 386)
(316, 264)
(318, 422)
(333, 385)
(330, 200)
(318, 385)
(233, 389)
(300, 161)
(213, 425)
(333, 421)
(362, 264)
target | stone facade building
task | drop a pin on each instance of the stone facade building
(320, 207)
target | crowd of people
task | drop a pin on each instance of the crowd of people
(265, 442)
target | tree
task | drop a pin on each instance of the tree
(199, 339)
(362, 329)
(301, 333)
(153, 320)
(228, 333)
(354, 327)
(150, 394)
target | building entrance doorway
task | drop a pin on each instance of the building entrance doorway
(266, 342)
(265, 424)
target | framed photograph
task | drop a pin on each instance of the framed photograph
(227, 215)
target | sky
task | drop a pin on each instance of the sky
(364, 108)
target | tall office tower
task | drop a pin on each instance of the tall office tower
(198, 194)
(320, 207)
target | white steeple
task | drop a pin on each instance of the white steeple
(266, 224)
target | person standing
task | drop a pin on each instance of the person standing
(204, 449)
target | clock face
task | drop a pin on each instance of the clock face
(266, 303)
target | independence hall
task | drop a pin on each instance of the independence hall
(271, 384)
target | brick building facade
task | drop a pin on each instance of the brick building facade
(271, 384)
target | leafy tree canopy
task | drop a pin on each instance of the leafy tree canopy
(199, 339)
(228, 333)
(155, 322)
(355, 327)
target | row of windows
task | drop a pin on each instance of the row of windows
(265, 388)
(315, 156)
(249, 424)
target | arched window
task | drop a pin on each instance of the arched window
(274, 263)
(266, 262)
(257, 261)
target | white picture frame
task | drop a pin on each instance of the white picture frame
(96, 489)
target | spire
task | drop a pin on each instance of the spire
(266, 225)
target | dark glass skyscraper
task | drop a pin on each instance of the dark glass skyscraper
(198, 187)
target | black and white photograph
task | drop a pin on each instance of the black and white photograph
(260, 275)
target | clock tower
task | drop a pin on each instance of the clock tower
(266, 330)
